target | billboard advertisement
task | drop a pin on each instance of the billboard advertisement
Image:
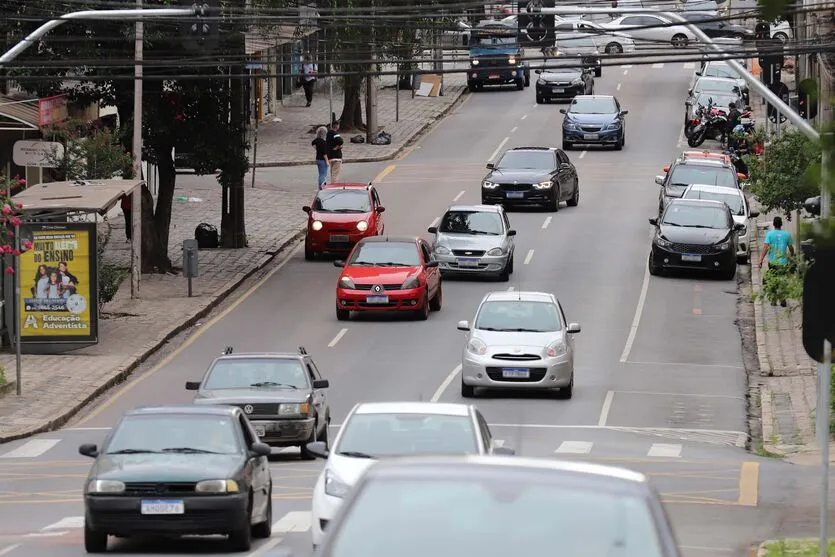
(58, 289)
(536, 29)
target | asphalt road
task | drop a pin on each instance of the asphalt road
(660, 385)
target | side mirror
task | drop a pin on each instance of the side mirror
(380, 209)
(573, 328)
(653, 221)
(306, 209)
(503, 451)
(659, 180)
(690, 92)
(192, 385)
(432, 229)
(741, 176)
(338, 263)
(88, 449)
(431, 264)
(562, 111)
(753, 214)
(318, 449)
(739, 226)
(511, 233)
(490, 166)
(321, 384)
(699, 73)
(666, 169)
(537, 71)
(624, 112)
(260, 449)
(463, 326)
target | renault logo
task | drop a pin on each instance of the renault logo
(377, 288)
(248, 409)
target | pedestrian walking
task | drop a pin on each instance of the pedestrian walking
(778, 246)
(335, 143)
(321, 146)
(127, 212)
(310, 72)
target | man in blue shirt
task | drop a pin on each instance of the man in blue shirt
(779, 247)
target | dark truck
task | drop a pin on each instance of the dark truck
(496, 57)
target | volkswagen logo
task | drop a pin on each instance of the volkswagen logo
(248, 409)
(377, 288)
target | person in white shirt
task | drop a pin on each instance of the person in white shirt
(310, 71)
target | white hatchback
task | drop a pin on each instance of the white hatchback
(735, 199)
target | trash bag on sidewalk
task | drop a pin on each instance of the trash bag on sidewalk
(358, 139)
(382, 138)
(207, 236)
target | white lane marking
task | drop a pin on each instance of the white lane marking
(626, 66)
(664, 450)
(528, 257)
(7, 550)
(499, 148)
(511, 288)
(618, 87)
(535, 105)
(583, 154)
(607, 406)
(446, 382)
(434, 222)
(633, 330)
(460, 193)
(294, 521)
(657, 66)
(689, 65)
(47, 534)
(514, 129)
(32, 449)
(267, 547)
(66, 522)
(574, 447)
(523, 116)
(546, 223)
(337, 338)
(625, 72)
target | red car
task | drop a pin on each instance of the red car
(389, 274)
(341, 216)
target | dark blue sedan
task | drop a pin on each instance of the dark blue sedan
(594, 120)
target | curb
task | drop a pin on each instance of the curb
(408, 143)
(126, 372)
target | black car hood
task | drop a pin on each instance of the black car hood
(591, 118)
(561, 75)
(165, 467)
(236, 397)
(691, 235)
(521, 176)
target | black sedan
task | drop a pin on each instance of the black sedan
(695, 234)
(594, 120)
(531, 176)
(179, 470)
(564, 81)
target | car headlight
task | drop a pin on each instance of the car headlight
(441, 250)
(742, 232)
(613, 126)
(316, 225)
(477, 347)
(300, 409)
(496, 251)
(577, 81)
(511, 60)
(570, 125)
(334, 486)
(662, 242)
(346, 282)
(543, 185)
(411, 282)
(105, 486)
(722, 246)
(556, 348)
(540, 82)
(489, 185)
(474, 62)
(217, 486)
(362, 226)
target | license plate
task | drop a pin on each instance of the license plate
(691, 257)
(259, 430)
(493, 76)
(468, 262)
(558, 90)
(516, 373)
(339, 238)
(377, 299)
(163, 507)
(515, 194)
(589, 136)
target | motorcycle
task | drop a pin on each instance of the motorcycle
(711, 126)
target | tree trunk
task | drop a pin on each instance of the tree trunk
(232, 222)
(351, 119)
(156, 223)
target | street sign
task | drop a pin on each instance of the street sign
(52, 110)
(819, 304)
(38, 154)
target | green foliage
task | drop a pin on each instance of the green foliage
(787, 173)
(89, 153)
(3, 379)
(779, 286)
(110, 278)
(832, 400)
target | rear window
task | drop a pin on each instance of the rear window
(689, 174)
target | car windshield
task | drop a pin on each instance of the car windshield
(385, 435)
(732, 200)
(471, 222)
(518, 315)
(538, 160)
(494, 40)
(719, 100)
(245, 373)
(686, 175)
(718, 70)
(696, 216)
(715, 84)
(392, 254)
(593, 105)
(174, 433)
(342, 201)
(440, 516)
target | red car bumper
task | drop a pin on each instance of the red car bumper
(334, 241)
(394, 300)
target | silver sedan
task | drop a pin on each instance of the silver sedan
(518, 340)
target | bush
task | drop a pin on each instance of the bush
(3, 379)
(832, 400)
(110, 276)
(788, 286)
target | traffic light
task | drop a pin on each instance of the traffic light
(807, 98)
(201, 31)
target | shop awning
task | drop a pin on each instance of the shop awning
(93, 196)
(17, 115)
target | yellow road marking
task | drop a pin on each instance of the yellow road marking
(383, 173)
(188, 342)
(749, 484)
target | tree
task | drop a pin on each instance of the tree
(90, 152)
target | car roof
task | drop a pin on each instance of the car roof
(710, 78)
(476, 208)
(551, 149)
(391, 239)
(596, 96)
(702, 157)
(715, 189)
(436, 408)
(519, 295)
(346, 186)
(697, 202)
(193, 409)
(261, 356)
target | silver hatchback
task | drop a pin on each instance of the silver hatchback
(518, 340)
(474, 240)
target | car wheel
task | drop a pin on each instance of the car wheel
(527, 79)
(304, 454)
(553, 204)
(309, 254)
(679, 41)
(94, 542)
(598, 71)
(623, 141)
(343, 314)
(619, 145)
(241, 540)
(539, 100)
(728, 274)
(567, 392)
(654, 269)
(567, 146)
(520, 84)
(467, 391)
(437, 301)
(423, 312)
(510, 265)
(782, 37)
(574, 200)
(614, 48)
(504, 276)
(264, 529)
(472, 87)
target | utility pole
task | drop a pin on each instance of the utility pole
(371, 86)
(136, 196)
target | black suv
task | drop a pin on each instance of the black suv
(531, 175)
(695, 167)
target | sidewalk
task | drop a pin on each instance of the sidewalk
(284, 139)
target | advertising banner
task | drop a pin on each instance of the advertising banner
(58, 287)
